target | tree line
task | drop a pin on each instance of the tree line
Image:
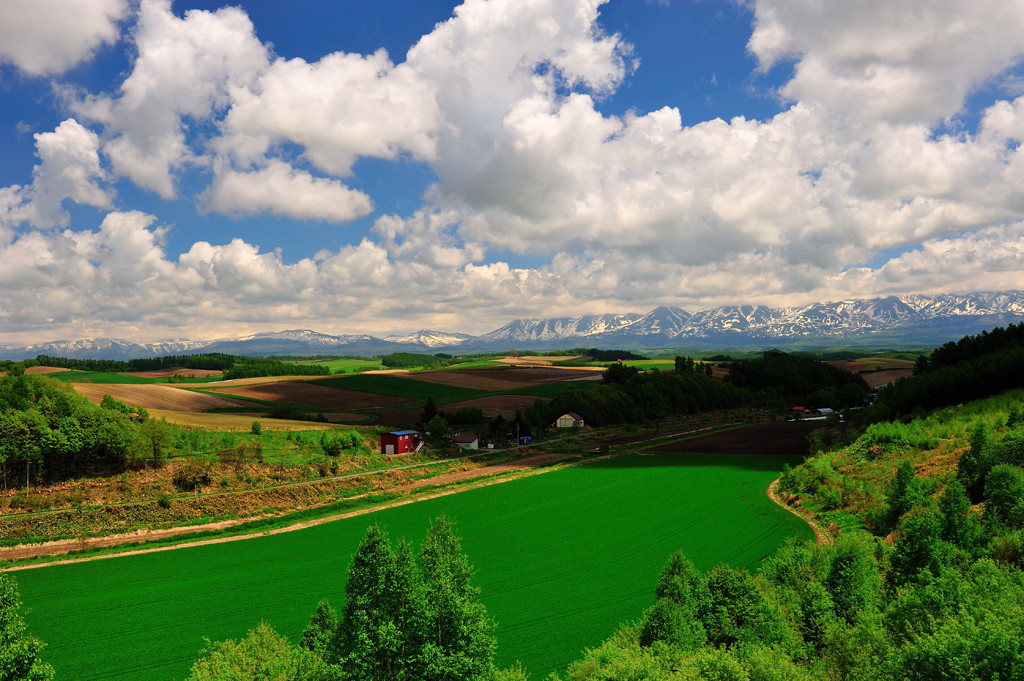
(233, 366)
(778, 375)
(208, 361)
(961, 371)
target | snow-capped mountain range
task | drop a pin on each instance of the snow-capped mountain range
(919, 319)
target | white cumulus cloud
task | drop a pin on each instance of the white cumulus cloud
(45, 37)
(284, 190)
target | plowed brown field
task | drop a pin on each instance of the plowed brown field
(43, 370)
(151, 396)
(315, 396)
(878, 371)
(506, 405)
(773, 439)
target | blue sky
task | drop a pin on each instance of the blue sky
(195, 169)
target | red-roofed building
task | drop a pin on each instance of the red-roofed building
(399, 442)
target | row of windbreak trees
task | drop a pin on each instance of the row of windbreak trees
(233, 366)
(208, 361)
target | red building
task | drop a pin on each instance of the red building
(399, 442)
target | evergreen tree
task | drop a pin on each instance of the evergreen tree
(408, 617)
(321, 629)
(429, 411)
(975, 463)
(19, 651)
(458, 635)
(366, 635)
(904, 493)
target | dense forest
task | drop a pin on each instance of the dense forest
(969, 369)
(779, 375)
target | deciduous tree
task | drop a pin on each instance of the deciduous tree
(19, 651)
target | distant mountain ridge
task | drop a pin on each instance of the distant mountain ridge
(921, 319)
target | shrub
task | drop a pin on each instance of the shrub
(192, 474)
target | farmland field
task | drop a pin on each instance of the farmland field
(151, 396)
(309, 394)
(561, 560)
(770, 439)
(399, 386)
(347, 365)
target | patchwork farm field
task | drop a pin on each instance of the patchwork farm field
(151, 396)
(561, 559)
(309, 394)
(499, 379)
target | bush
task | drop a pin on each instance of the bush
(192, 474)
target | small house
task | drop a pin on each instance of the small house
(468, 441)
(399, 442)
(569, 420)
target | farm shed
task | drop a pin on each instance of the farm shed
(467, 441)
(399, 442)
(569, 420)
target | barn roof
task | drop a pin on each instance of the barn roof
(404, 432)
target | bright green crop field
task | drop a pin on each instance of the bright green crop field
(561, 560)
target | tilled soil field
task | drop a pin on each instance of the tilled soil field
(315, 396)
(498, 379)
(770, 439)
(506, 405)
(43, 370)
(152, 396)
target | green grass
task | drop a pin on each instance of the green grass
(348, 366)
(561, 560)
(647, 364)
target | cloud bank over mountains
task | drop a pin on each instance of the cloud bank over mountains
(882, 173)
